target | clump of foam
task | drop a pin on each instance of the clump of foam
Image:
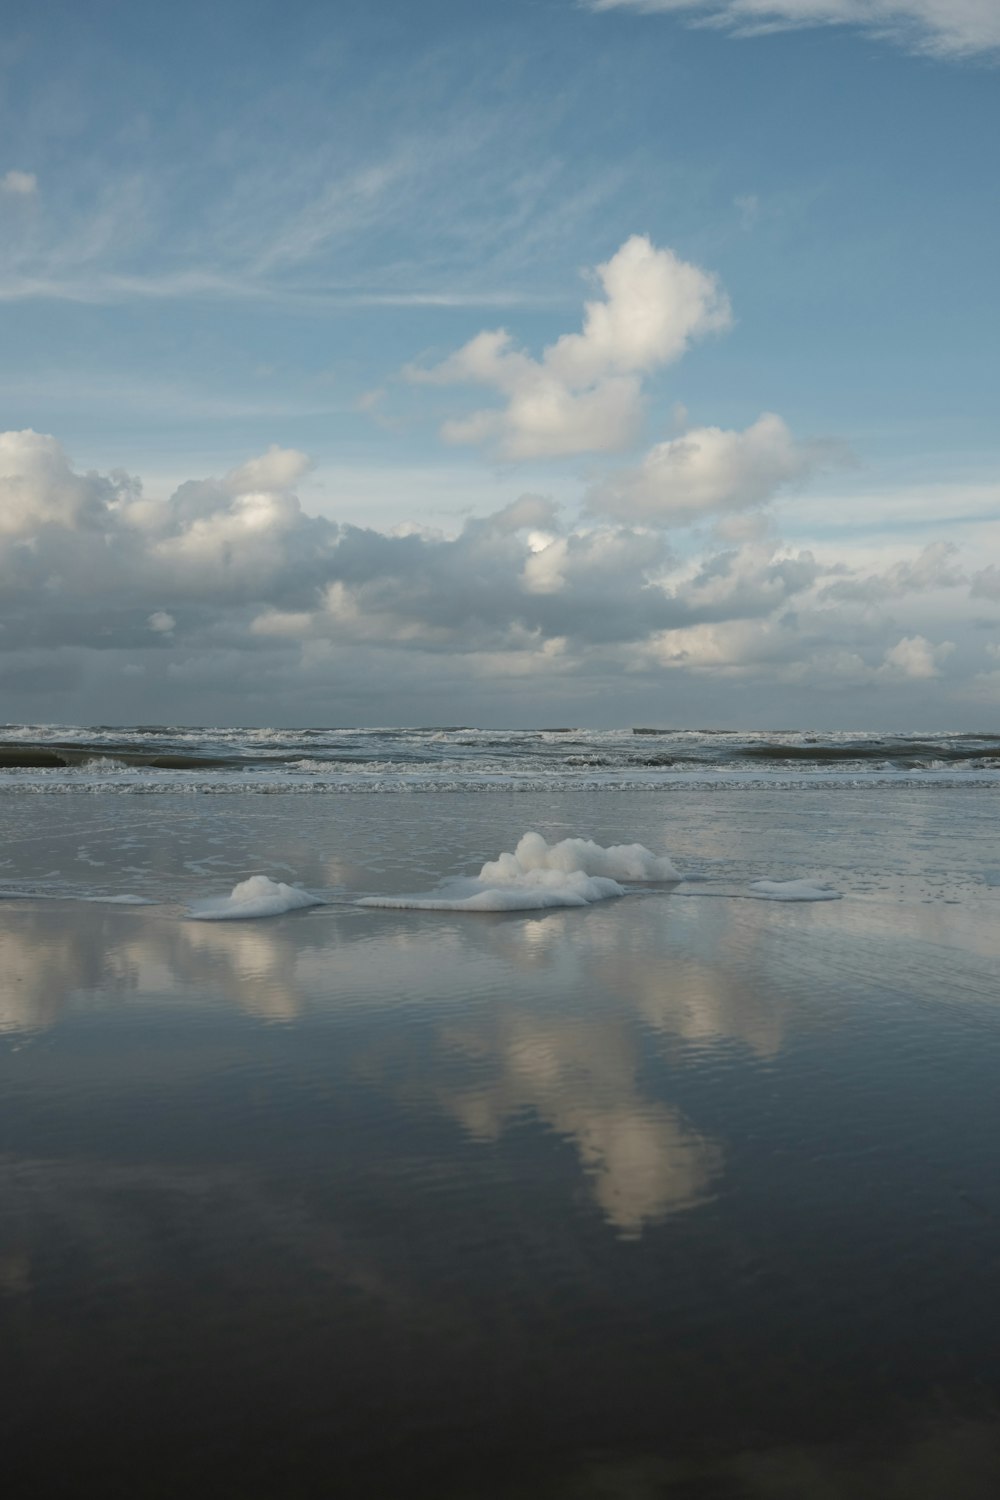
(575, 872)
(618, 862)
(794, 890)
(256, 897)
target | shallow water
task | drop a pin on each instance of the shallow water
(682, 1194)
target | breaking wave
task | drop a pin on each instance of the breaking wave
(154, 758)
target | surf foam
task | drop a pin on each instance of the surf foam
(794, 890)
(256, 897)
(574, 872)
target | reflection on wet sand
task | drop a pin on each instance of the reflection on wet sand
(702, 981)
(575, 1072)
(580, 1079)
(110, 1216)
(43, 965)
(55, 957)
(544, 1018)
(645, 1182)
(551, 1019)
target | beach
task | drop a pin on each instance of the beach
(689, 1191)
(500, 671)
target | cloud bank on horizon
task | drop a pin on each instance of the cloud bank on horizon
(253, 597)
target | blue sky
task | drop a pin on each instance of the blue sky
(241, 226)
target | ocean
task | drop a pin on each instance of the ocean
(142, 758)
(376, 1119)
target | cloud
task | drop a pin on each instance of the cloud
(225, 598)
(915, 657)
(389, 191)
(585, 393)
(480, 591)
(945, 28)
(747, 206)
(986, 583)
(793, 651)
(39, 489)
(705, 471)
(19, 184)
(82, 554)
(235, 561)
(933, 568)
(277, 469)
(748, 583)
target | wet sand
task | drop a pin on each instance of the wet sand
(682, 1194)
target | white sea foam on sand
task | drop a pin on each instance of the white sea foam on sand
(256, 897)
(574, 872)
(793, 890)
(120, 900)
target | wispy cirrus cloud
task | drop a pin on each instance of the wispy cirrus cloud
(944, 28)
(373, 206)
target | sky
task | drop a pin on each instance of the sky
(577, 361)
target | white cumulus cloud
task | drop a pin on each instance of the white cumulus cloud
(277, 469)
(706, 470)
(915, 656)
(947, 28)
(584, 395)
(226, 596)
(39, 489)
